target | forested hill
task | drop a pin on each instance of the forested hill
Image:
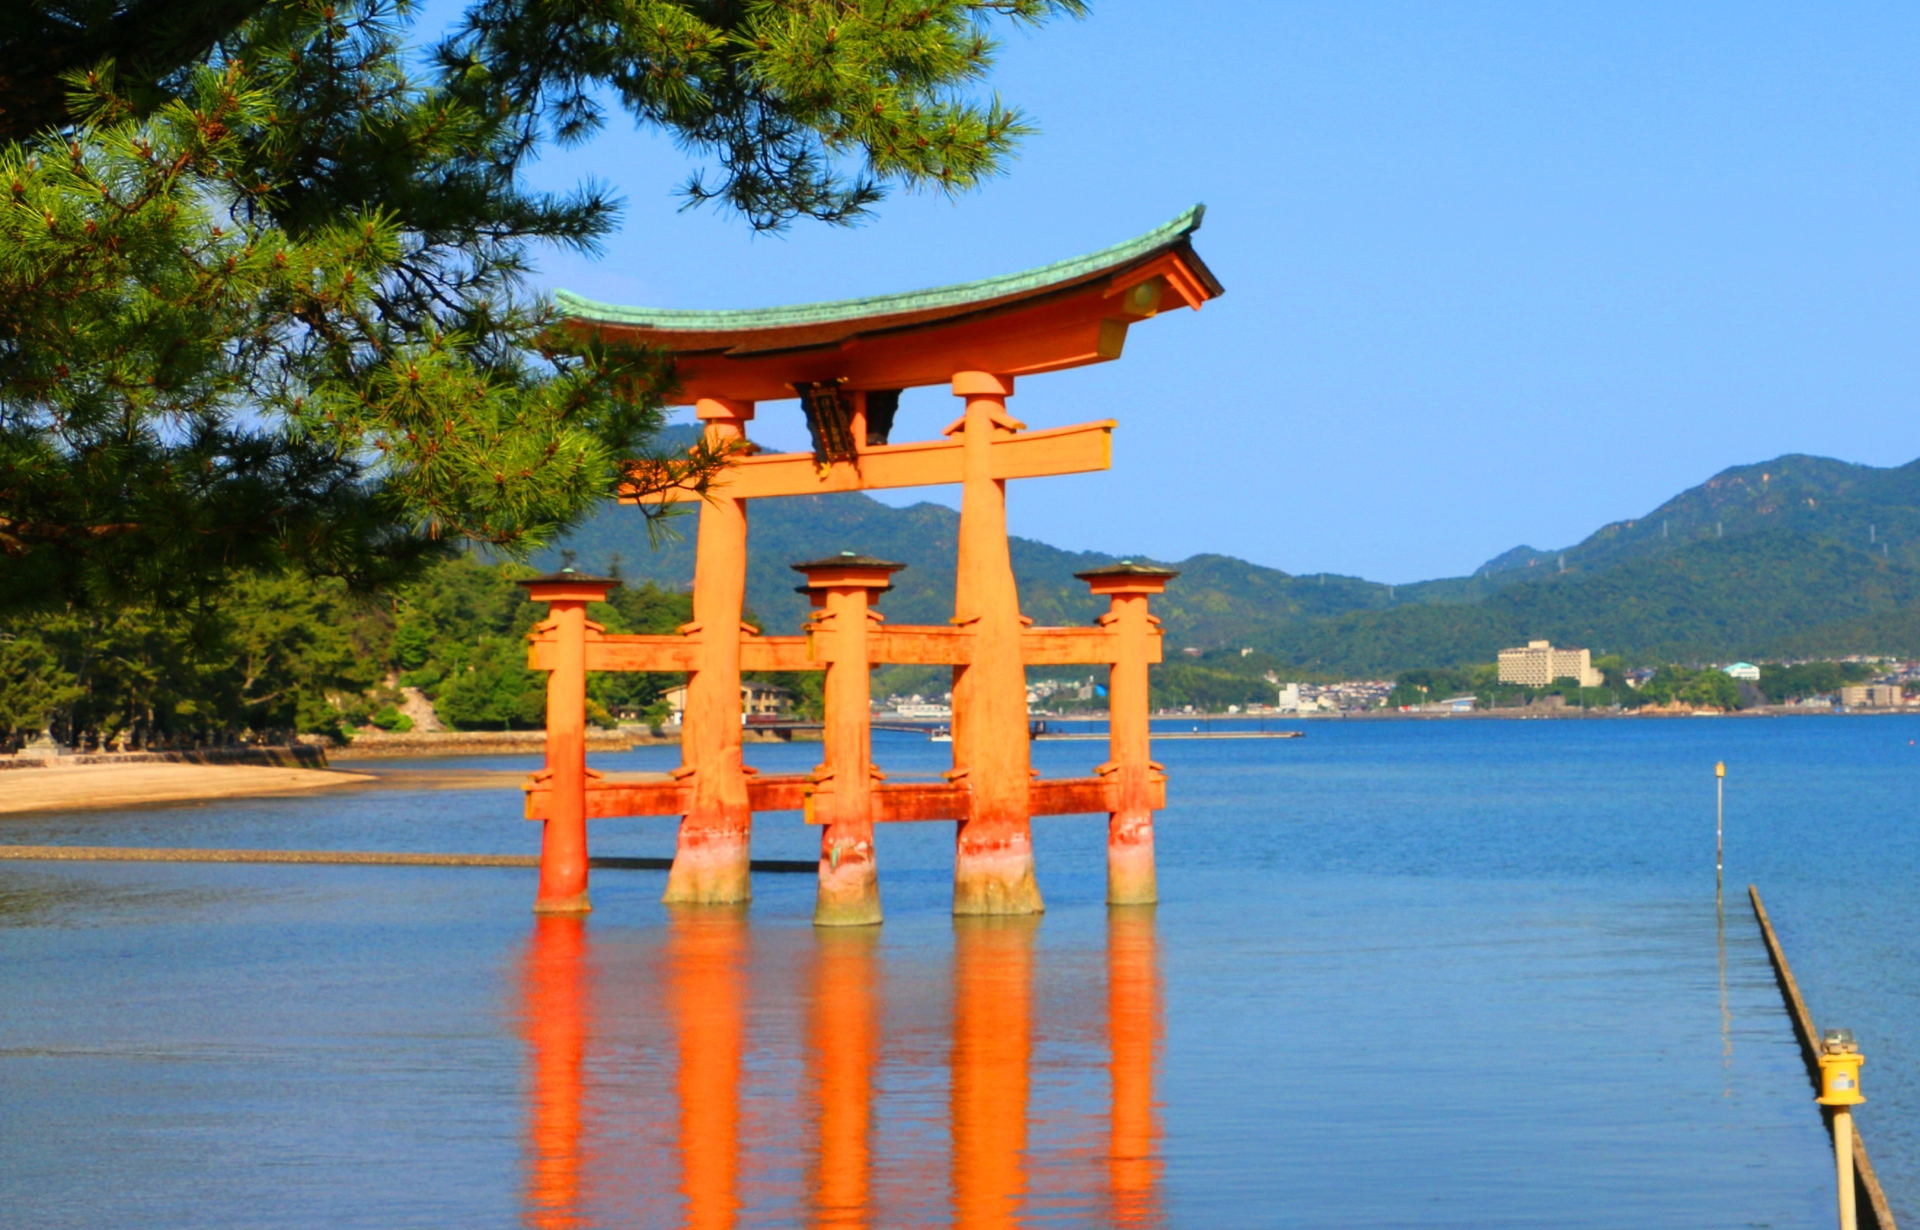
(1798, 556)
(1815, 497)
(1217, 600)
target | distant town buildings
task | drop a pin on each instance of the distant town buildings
(1043, 690)
(921, 708)
(1539, 664)
(1347, 697)
(1744, 670)
(1452, 704)
(1871, 696)
(756, 700)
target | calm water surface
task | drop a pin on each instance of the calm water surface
(1427, 974)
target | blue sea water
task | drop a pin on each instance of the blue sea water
(1444, 973)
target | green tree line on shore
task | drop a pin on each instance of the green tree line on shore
(285, 656)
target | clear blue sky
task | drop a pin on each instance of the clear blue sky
(1496, 273)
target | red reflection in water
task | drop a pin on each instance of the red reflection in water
(672, 1086)
(707, 988)
(1133, 1032)
(992, 1028)
(845, 1027)
(555, 1025)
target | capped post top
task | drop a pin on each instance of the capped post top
(848, 559)
(568, 584)
(1127, 568)
(1840, 1061)
(849, 568)
(1127, 577)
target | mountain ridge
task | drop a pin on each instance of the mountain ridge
(1764, 558)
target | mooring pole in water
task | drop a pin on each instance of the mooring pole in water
(1843, 1164)
(1719, 826)
(1840, 1061)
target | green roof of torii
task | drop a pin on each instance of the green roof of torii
(958, 295)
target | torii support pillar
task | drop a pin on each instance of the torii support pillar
(1131, 879)
(993, 854)
(841, 799)
(711, 859)
(563, 840)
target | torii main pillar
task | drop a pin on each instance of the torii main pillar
(711, 863)
(993, 853)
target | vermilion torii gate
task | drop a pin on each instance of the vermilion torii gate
(848, 361)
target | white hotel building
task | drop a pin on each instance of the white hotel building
(1539, 664)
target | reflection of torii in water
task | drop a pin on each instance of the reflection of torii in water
(848, 361)
(594, 1132)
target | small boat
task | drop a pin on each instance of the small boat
(940, 734)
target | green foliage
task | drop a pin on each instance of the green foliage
(460, 634)
(190, 390)
(1204, 686)
(32, 688)
(490, 688)
(280, 654)
(1481, 680)
(1217, 602)
(911, 680)
(1710, 600)
(809, 690)
(137, 335)
(782, 94)
(644, 608)
(387, 717)
(1713, 688)
(809, 107)
(1780, 684)
(261, 286)
(1710, 687)
(1430, 684)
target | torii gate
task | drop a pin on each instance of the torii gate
(848, 361)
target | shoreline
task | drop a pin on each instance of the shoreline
(1508, 715)
(107, 781)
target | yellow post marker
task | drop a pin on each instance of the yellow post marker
(1840, 1061)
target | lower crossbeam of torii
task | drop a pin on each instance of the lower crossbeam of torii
(848, 362)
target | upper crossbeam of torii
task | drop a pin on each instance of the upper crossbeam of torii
(848, 362)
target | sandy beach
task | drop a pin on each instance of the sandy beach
(65, 787)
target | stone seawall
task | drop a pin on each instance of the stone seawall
(484, 743)
(299, 756)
